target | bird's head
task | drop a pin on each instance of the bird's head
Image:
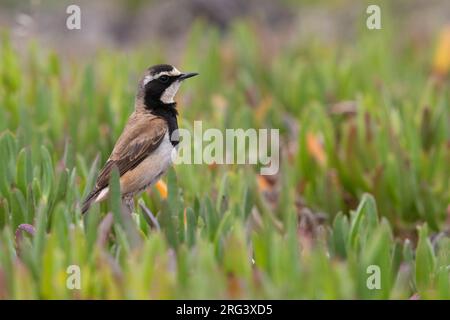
(159, 85)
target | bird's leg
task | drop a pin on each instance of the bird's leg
(129, 204)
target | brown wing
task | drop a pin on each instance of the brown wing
(140, 138)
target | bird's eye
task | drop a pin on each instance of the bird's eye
(164, 78)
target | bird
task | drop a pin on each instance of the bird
(144, 150)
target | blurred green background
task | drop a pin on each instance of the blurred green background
(364, 117)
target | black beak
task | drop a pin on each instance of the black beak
(184, 76)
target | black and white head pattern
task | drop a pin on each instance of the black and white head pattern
(161, 83)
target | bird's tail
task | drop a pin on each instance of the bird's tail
(88, 201)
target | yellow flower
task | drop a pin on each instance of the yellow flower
(315, 148)
(441, 63)
(162, 188)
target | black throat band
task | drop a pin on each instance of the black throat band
(168, 112)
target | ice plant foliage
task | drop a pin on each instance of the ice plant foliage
(356, 209)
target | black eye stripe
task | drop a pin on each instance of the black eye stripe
(164, 78)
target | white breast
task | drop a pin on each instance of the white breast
(157, 162)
